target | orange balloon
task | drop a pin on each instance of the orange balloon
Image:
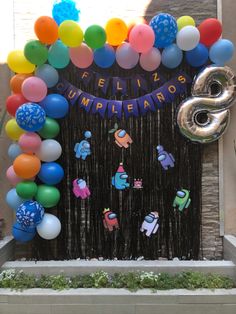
(16, 82)
(116, 31)
(46, 29)
(26, 166)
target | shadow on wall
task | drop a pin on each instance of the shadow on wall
(199, 10)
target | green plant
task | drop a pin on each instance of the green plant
(131, 281)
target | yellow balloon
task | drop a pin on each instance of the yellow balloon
(117, 31)
(18, 63)
(185, 20)
(70, 33)
(13, 130)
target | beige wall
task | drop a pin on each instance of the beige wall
(16, 30)
(228, 184)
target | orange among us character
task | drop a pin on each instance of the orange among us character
(122, 138)
(110, 220)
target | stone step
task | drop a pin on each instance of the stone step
(73, 267)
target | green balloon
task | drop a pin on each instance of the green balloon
(95, 36)
(26, 189)
(36, 52)
(48, 196)
(50, 129)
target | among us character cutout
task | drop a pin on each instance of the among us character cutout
(82, 149)
(166, 159)
(80, 189)
(119, 180)
(150, 223)
(122, 138)
(138, 184)
(182, 200)
(110, 220)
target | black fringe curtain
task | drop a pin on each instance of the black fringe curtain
(83, 234)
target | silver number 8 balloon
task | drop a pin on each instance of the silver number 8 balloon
(204, 117)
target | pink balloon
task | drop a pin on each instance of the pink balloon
(34, 89)
(81, 56)
(151, 60)
(142, 38)
(12, 177)
(126, 56)
(29, 142)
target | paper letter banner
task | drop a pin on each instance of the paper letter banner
(132, 107)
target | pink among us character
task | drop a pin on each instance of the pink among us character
(80, 189)
(110, 220)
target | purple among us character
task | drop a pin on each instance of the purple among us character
(166, 159)
(80, 189)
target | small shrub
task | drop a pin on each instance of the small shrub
(131, 281)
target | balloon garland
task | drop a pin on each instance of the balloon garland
(61, 41)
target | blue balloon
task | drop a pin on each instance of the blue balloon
(14, 150)
(104, 57)
(65, 10)
(48, 74)
(171, 56)
(13, 200)
(23, 234)
(51, 173)
(198, 56)
(221, 51)
(55, 106)
(30, 214)
(165, 28)
(58, 55)
(30, 117)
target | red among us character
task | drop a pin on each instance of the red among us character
(110, 220)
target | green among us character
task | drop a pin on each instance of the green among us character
(182, 200)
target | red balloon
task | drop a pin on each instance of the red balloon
(210, 31)
(13, 102)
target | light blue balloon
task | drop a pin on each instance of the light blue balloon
(58, 55)
(48, 74)
(171, 56)
(221, 51)
(13, 200)
(65, 10)
(14, 150)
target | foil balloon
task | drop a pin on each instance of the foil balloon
(204, 117)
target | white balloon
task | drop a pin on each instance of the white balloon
(188, 38)
(49, 228)
(50, 150)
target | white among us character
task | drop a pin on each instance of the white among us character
(150, 223)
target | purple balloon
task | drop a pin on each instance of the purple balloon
(126, 56)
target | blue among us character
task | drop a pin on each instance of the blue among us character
(182, 200)
(166, 159)
(150, 224)
(119, 180)
(82, 149)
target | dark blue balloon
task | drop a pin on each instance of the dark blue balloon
(104, 57)
(51, 173)
(198, 56)
(29, 214)
(30, 117)
(165, 28)
(55, 106)
(23, 234)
